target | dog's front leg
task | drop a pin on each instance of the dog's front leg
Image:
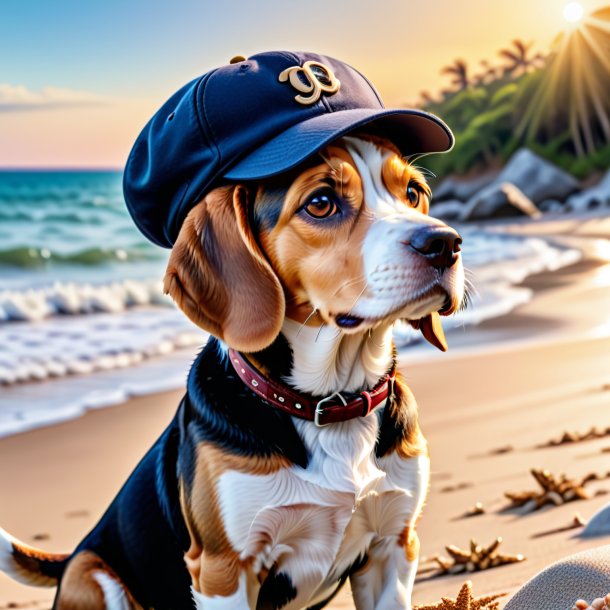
(386, 581)
(237, 600)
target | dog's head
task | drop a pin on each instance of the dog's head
(344, 240)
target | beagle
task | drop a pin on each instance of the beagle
(295, 461)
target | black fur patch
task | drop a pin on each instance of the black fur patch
(394, 425)
(276, 592)
(277, 358)
(219, 408)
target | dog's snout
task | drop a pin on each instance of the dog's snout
(439, 245)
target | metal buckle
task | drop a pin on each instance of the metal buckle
(319, 410)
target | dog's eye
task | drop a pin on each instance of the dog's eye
(321, 205)
(413, 194)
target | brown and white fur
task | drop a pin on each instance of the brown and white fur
(250, 265)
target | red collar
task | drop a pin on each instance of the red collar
(333, 408)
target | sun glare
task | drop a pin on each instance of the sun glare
(573, 12)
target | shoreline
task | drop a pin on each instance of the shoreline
(519, 379)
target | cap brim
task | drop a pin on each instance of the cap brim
(412, 131)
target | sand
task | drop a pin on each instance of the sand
(516, 381)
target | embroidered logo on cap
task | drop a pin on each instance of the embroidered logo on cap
(313, 78)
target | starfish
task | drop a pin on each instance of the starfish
(554, 490)
(475, 559)
(465, 601)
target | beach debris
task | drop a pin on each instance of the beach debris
(27, 605)
(474, 559)
(599, 524)
(577, 522)
(596, 604)
(41, 536)
(502, 450)
(477, 509)
(465, 601)
(568, 437)
(77, 514)
(456, 487)
(554, 490)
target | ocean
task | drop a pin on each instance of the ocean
(84, 323)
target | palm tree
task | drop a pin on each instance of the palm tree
(459, 71)
(426, 98)
(488, 75)
(519, 62)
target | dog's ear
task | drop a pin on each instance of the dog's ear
(219, 277)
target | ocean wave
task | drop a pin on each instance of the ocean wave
(27, 256)
(86, 344)
(35, 304)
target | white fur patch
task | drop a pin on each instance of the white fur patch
(114, 594)
(7, 564)
(326, 360)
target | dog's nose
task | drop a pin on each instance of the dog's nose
(439, 245)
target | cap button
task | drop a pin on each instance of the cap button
(237, 59)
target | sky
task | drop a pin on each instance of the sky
(80, 78)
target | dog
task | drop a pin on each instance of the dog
(240, 504)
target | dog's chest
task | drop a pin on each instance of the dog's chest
(313, 524)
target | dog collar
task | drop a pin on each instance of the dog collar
(329, 410)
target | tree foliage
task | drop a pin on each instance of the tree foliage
(558, 105)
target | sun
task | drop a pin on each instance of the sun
(573, 12)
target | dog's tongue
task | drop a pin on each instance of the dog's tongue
(432, 330)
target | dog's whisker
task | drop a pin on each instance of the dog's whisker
(348, 284)
(356, 300)
(313, 313)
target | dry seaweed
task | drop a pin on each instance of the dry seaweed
(576, 523)
(568, 438)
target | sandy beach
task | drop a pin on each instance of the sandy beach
(505, 387)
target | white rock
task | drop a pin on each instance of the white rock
(551, 206)
(499, 200)
(537, 178)
(596, 197)
(599, 524)
(448, 210)
(456, 188)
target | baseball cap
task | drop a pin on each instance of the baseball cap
(255, 118)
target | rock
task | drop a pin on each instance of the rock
(551, 206)
(537, 178)
(497, 201)
(456, 188)
(448, 210)
(595, 197)
(585, 575)
(599, 524)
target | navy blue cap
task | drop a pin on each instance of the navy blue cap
(253, 119)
